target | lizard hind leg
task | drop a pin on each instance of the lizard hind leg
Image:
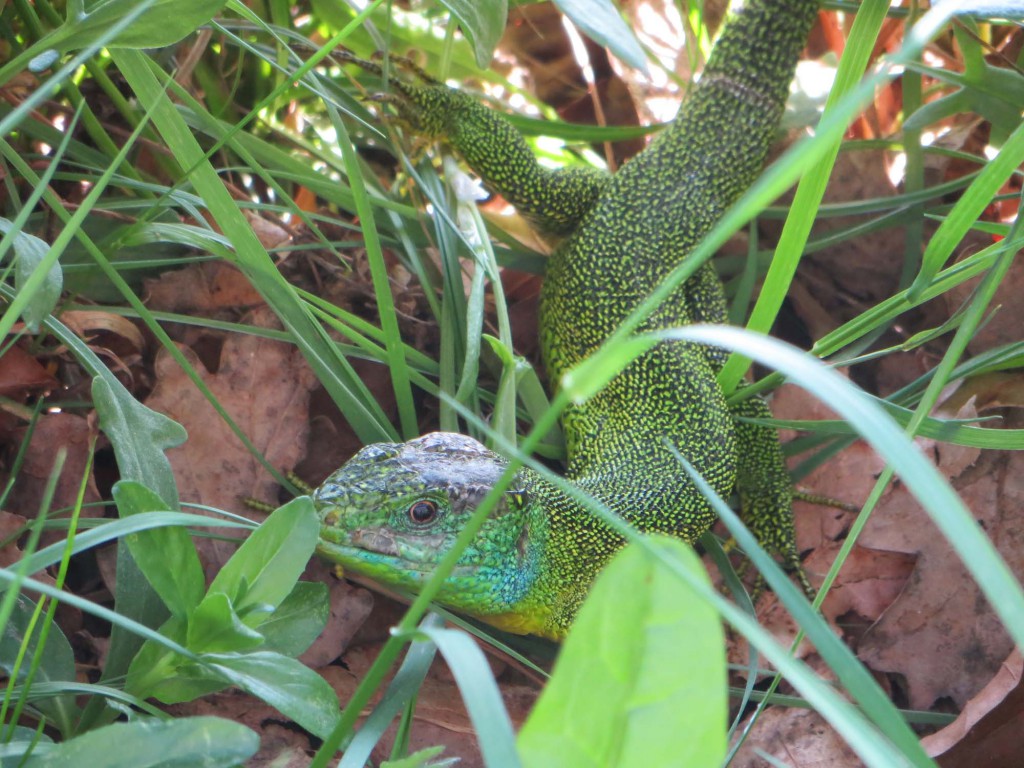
(762, 481)
(765, 488)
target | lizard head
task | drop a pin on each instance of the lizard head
(395, 509)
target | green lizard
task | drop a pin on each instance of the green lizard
(393, 510)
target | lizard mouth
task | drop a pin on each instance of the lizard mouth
(379, 553)
(371, 561)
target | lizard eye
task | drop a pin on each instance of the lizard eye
(423, 511)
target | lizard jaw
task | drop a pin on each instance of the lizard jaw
(386, 554)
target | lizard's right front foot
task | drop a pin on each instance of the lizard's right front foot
(428, 108)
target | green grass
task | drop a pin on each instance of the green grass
(150, 171)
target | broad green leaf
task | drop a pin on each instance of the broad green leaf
(483, 23)
(28, 734)
(197, 742)
(601, 21)
(163, 22)
(153, 663)
(169, 677)
(641, 679)
(298, 620)
(21, 744)
(216, 628)
(29, 252)
(136, 600)
(190, 682)
(139, 436)
(266, 567)
(286, 684)
(56, 664)
(166, 556)
(994, 93)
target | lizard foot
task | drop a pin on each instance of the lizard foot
(427, 108)
(373, 65)
(261, 506)
(824, 501)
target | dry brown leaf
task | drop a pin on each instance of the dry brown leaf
(21, 374)
(953, 460)
(989, 392)
(350, 606)
(940, 636)
(867, 585)
(87, 323)
(202, 289)
(271, 234)
(820, 530)
(52, 432)
(988, 730)
(799, 738)
(895, 371)
(264, 385)
(332, 441)
(10, 525)
(869, 580)
(280, 747)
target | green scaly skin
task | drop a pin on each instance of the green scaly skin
(393, 510)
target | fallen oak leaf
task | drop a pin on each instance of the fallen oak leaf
(987, 732)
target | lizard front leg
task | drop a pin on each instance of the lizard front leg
(554, 201)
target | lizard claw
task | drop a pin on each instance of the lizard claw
(427, 107)
(406, 64)
(382, 98)
(373, 65)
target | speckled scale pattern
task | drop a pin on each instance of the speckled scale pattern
(538, 554)
(654, 211)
